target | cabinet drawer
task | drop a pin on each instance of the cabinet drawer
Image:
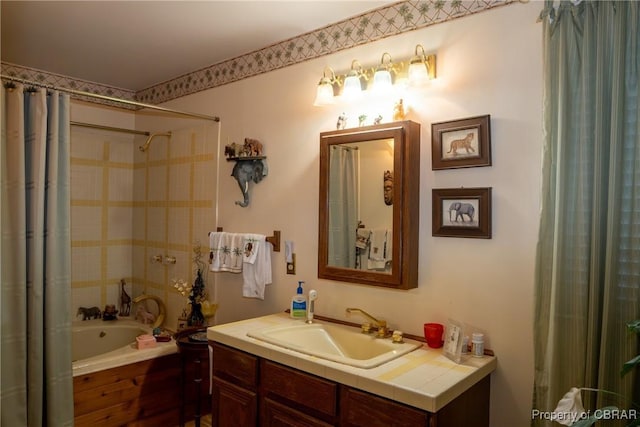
(358, 408)
(235, 366)
(275, 414)
(317, 395)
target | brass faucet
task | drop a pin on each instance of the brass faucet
(380, 324)
(161, 308)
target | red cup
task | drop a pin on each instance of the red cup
(433, 334)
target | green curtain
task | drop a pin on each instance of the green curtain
(344, 205)
(588, 256)
(35, 337)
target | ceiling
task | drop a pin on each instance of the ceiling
(136, 44)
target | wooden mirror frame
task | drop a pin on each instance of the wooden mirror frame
(406, 205)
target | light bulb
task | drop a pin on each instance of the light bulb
(352, 87)
(324, 94)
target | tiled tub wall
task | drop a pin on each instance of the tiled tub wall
(127, 206)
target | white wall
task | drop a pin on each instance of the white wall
(488, 63)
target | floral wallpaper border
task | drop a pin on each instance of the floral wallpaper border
(384, 22)
(51, 79)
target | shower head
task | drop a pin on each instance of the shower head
(145, 146)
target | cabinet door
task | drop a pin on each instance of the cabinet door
(273, 414)
(235, 366)
(307, 393)
(360, 409)
(233, 406)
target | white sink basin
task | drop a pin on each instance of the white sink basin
(340, 344)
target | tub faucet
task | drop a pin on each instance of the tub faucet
(381, 324)
(161, 308)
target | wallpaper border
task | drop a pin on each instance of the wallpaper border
(380, 23)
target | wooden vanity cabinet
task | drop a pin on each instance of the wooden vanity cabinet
(235, 388)
(249, 391)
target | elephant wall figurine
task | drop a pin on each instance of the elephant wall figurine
(461, 210)
(246, 171)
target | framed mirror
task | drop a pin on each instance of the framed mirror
(369, 205)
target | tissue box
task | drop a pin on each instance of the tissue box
(145, 341)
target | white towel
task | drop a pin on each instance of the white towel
(256, 272)
(388, 248)
(362, 237)
(214, 247)
(231, 257)
(225, 252)
(377, 247)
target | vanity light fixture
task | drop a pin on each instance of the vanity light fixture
(353, 82)
(422, 67)
(325, 92)
(419, 69)
(382, 82)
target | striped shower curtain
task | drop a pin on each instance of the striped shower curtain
(587, 272)
(344, 206)
(35, 337)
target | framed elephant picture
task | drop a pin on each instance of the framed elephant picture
(462, 212)
(461, 143)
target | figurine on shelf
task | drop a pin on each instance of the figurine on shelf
(398, 111)
(377, 120)
(88, 313)
(342, 121)
(361, 119)
(144, 316)
(232, 150)
(252, 147)
(109, 312)
(125, 300)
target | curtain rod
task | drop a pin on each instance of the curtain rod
(114, 129)
(110, 98)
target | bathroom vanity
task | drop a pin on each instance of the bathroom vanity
(259, 383)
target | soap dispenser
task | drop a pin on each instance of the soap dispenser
(299, 303)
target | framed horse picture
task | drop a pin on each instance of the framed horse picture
(462, 212)
(461, 143)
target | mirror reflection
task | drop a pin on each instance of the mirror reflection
(360, 219)
(369, 205)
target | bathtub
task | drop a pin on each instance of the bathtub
(100, 345)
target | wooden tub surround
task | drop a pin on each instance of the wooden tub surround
(139, 394)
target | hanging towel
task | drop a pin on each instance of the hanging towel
(376, 259)
(362, 237)
(225, 252)
(388, 247)
(214, 247)
(256, 271)
(232, 253)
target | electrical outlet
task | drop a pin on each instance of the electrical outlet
(291, 266)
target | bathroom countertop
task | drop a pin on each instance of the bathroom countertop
(423, 378)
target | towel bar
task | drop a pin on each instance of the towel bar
(274, 240)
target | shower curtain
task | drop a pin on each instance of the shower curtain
(587, 271)
(35, 337)
(343, 205)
